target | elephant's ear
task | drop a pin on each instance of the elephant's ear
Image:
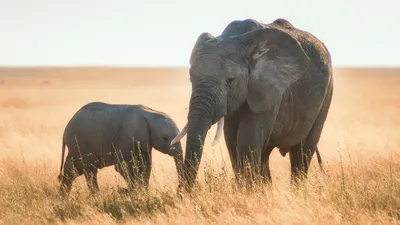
(199, 43)
(276, 61)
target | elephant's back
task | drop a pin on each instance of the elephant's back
(317, 52)
(320, 58)
(314, 48)
(95, 124)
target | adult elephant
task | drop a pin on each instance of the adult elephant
(267, 86)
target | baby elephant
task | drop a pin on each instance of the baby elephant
(101, 135)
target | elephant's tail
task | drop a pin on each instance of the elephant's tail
(319, 159)
(62, 159)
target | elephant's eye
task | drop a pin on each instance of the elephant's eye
(165, 139)
(229, 80)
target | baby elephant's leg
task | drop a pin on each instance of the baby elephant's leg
(135, 168)
(126, 172)
(91, 178)
(71, 172)
(145, 168)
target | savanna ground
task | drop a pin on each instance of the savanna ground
(360, 147)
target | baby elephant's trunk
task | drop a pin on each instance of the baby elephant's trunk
(178, 158)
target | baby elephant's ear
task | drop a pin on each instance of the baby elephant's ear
(276, 60)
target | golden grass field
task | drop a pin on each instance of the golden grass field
(360, 147)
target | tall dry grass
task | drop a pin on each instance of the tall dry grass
(359, 145)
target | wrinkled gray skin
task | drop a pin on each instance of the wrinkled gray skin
(99, 129)
(273, 85)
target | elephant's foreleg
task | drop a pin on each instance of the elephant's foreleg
(254, 130)
(135, 169)
(145, 168)
(127, 172)
(265, 171)
(230, 133)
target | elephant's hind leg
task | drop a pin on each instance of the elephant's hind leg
(301, 155)
(70, 173)
(300, 158)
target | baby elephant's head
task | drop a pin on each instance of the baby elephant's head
(163, 131)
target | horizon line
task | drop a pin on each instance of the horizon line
(160, 67)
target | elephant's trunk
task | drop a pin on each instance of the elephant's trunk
(201, 117)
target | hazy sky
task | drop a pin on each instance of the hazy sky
(162, 33)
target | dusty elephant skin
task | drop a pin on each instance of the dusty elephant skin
(267, 86)
(101, 135)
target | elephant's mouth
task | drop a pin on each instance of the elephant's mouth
(218, 134)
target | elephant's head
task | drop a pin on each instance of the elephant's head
(162, 131)
(253, 68)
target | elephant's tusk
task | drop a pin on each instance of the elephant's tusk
(220, 126)
(180, 135)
